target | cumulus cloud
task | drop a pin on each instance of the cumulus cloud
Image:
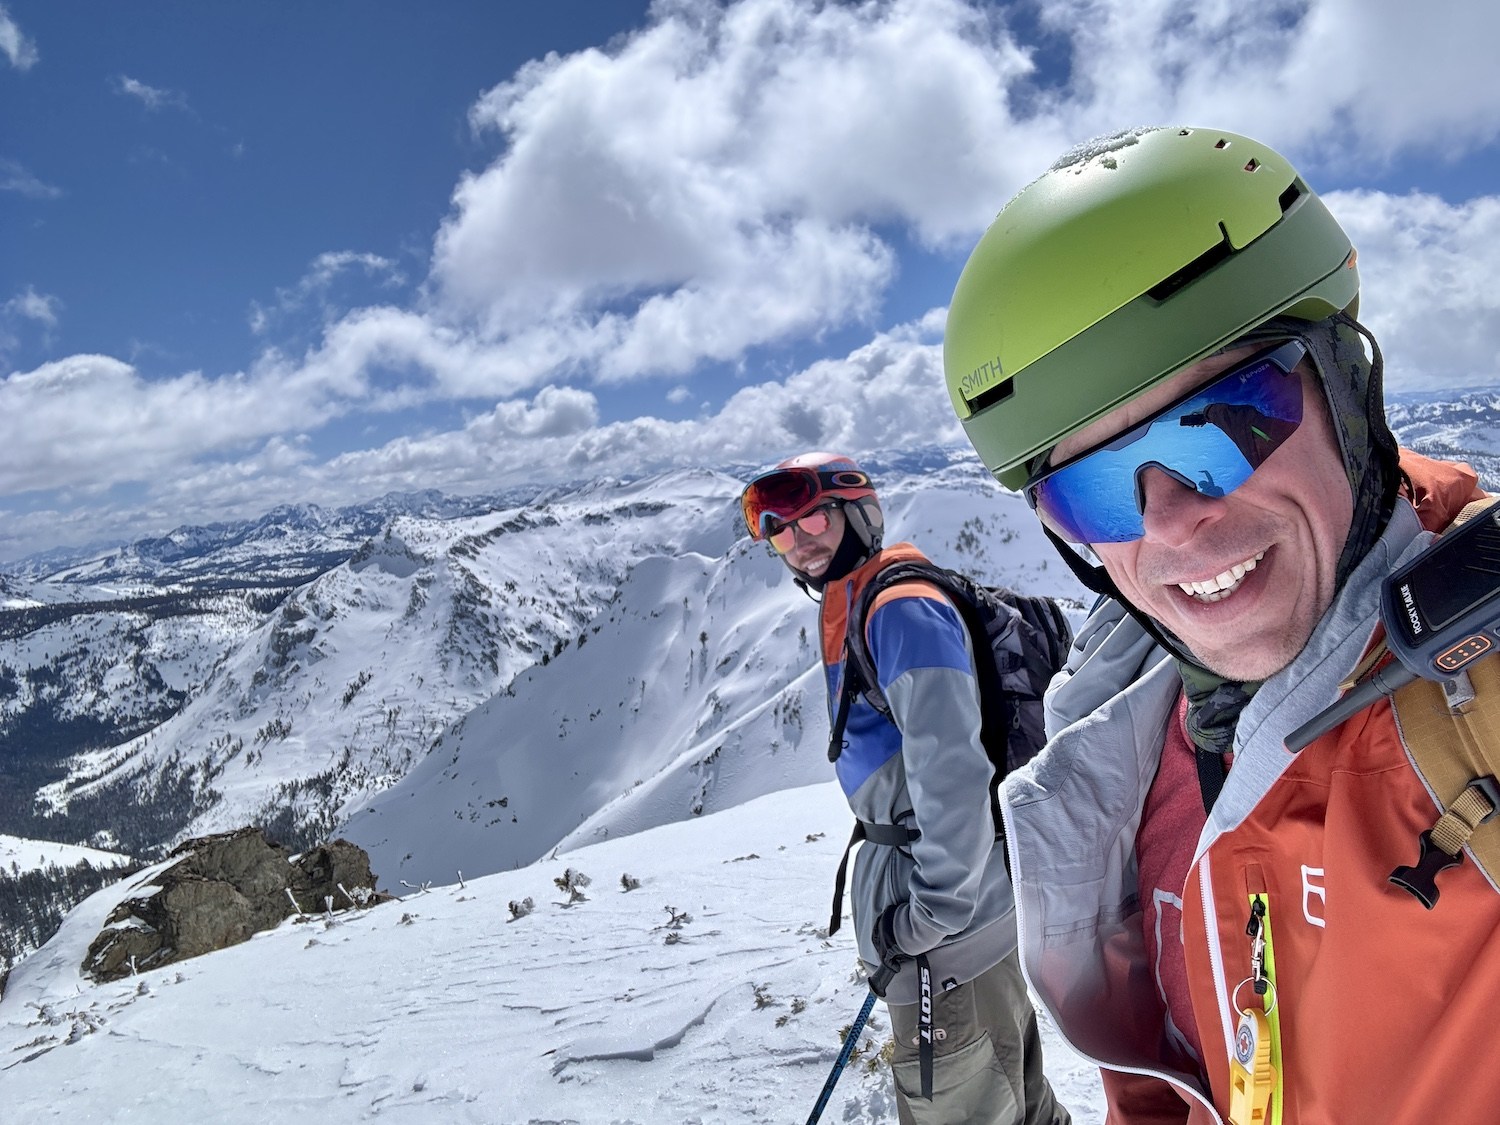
(316, 287)
(1327, 80)
(717, 181)
(17, 48)
(1429, 284)
(735, 178)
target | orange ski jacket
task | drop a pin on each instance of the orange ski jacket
(1383, 1011)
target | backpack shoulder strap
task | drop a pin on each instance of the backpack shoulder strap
(856, 643)
(1452, 730)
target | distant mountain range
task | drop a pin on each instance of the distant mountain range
(187, 684)
(521, 670)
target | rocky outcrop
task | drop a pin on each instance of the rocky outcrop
(223, 889)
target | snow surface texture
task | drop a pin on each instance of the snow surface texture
(705, 994)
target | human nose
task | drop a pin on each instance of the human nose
(1173, 512)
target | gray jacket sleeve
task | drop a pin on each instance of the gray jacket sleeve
(934, 699)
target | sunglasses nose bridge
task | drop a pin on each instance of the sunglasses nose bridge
(1204, 488)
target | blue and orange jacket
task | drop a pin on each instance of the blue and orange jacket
(925, 768)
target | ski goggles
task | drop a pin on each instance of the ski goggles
(1211, 440)
(776, 499)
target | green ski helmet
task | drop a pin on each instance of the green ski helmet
(1134, 256)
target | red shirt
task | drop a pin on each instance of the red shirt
(1171, 822)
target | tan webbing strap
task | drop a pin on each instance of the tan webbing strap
(1456, 826)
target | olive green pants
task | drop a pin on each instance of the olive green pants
(987, 1056)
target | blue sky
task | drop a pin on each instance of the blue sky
(263, 253)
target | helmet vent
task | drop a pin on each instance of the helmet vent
(1291, 195)
(991, 395)
(1193, 270)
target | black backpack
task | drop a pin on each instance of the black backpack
(1020, 641)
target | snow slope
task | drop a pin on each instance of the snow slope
(20, 854)
(696, 688)
(440, 1008)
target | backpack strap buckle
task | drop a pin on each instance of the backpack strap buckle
(1442, 845)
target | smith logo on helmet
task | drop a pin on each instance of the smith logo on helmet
(981, 379)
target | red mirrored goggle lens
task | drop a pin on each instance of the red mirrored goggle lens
(777, 497)
(814, 523)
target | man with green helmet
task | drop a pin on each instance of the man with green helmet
(1156, 342)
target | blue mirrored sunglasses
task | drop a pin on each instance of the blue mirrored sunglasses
(1211, 441)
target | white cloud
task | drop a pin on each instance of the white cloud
(17, 178)
(27, 309)
(316, 285)
(14, 44)
(152, 97)
(731, 177)
(31, 305)
(712, 183)
(1429, 285)
(1328, 81)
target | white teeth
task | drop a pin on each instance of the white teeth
(1220, 586)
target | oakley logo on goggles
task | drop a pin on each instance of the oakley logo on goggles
(1210, 441)
(779, 497)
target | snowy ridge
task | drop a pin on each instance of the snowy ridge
(351, 680)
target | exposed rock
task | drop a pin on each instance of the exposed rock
(223, 889)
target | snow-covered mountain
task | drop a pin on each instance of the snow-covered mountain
(706, 995)
(1458, 427)
(290, 669)
(695, 689)
(351, 679)
(624, 633)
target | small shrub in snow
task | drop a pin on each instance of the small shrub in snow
(521, 909)
(571, 883)
(629, 883)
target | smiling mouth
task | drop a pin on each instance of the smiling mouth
(1220, 586)
(818, 565)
